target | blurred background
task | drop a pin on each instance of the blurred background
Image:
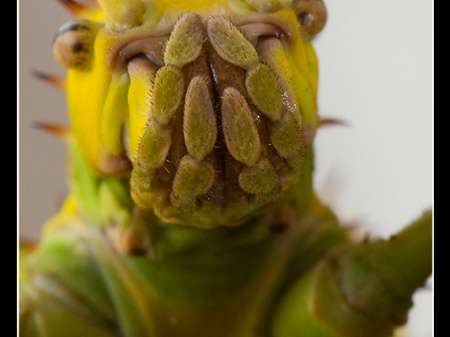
(376, 74)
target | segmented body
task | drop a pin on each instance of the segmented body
(191, 209)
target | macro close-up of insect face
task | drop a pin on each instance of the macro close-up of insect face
(225, 168)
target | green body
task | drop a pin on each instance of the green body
(263, 278)
(131, 255)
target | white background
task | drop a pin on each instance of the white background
(376, 74)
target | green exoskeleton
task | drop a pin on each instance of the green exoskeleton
(191, 209)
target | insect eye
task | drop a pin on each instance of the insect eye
(72, 44)
(312, 15)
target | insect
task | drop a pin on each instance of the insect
(232, 146)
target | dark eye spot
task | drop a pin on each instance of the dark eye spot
(312, 15)
(306, 19)
(77, 47)
(73, 43)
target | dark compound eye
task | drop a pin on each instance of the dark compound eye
(312, 15)
(73, 44)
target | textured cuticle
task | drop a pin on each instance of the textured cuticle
(239, 129)
(286, 137)
(259, 179)
(199, 122)
(168, 92)
(185, 42)
(265, 92)
(154, 146)
(193, 178)
(230, 43)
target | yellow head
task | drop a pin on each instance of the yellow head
(206, 105)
